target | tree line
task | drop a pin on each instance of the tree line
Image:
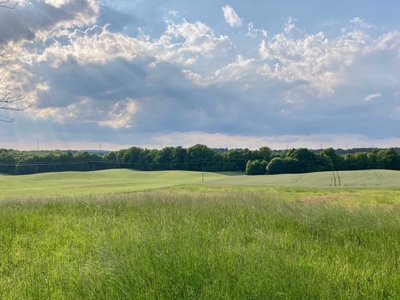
(305, 161)
(197, 158)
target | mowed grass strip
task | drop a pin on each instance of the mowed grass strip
(198, 245)
(95, 183)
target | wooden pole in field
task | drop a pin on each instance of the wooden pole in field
(202, 171)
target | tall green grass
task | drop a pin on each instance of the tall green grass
(199, 245)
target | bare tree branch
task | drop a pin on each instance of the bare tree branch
(10, 98)
(5, 4)
(3, 55)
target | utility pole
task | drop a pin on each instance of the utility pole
(202, 170)
(202, 166)
(93, 167)
(37, 145)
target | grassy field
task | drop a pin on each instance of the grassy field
(232, 237)
(347, 179)
(96, 183)
(125, 181)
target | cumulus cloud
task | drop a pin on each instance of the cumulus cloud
(313, 58)
(231, 16)
(95, 45)
(183, 76)
(198, 37)
(121, 114)
(180, 43)
(105, 113)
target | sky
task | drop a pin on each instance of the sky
(228, 74)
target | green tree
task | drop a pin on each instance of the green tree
(373, 162)
(198, 156)
(307, 160)
(178, 155)
(265, 153)
(389, 159)
(256, 167)
(283, 166)
(336, 159)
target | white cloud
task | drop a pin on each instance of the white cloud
(120, 115)
(199, 38)
(173, 13)
(231, 17)
(372, 96)
(57, 3)
(361, 23)
(181, 43)
(314, 59)
(387, 42)
(289, 25)
(203, 80)
(95, 45)
(195, 78)
(253, 32)
(115, 115)
(234, 71)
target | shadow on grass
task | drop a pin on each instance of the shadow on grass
(230, 173)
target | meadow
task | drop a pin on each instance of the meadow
(123, 234)
(95, 183)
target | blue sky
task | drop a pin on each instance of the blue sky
(223, 73)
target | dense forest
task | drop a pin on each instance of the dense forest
(197, 158)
